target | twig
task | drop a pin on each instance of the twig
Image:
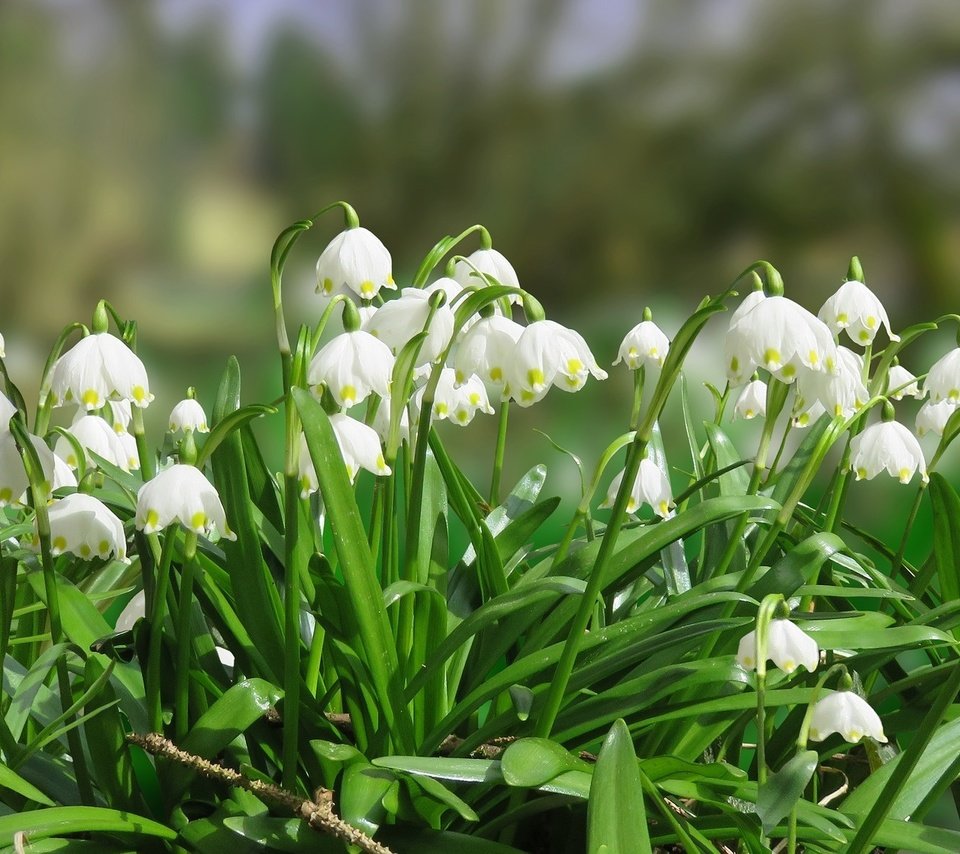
(317, 813)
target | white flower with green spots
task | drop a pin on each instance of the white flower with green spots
(86, 527)
(359, 446)
(13, 476)
(491, 263)
(855, 309)
(752, 400)
(787, 646)
(548, 354)
(849, 715)
(643, 345)
(486, 349)
(457, 403)
(777, 334)
(901, 382)
(97, 369)
(887, 446)
(354, 262)
(96, 435)
(650, 487)
(352, 366)
(943, 378)
(181, 494)
(188, 415)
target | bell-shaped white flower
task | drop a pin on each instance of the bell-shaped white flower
(549, 354)
(842, 393)
(943, 378)
(356, 262)
(901, 383)
(643, 345)
(787, 646)
(752, 401)
(933, 417)
(781, 336)
(806, 414)
(889, 446)
(848, 714)
(13, 475)
(456, 403)
(359, 447)
(486, 349)
(491, 263)
(397, 321)
(650, 487)
(96, 435)
(351, 366)
(856, 309)
(86, 527)
(99, 368)
(182, 494)
(188, 415)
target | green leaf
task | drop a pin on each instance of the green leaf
(783, 789)
(228, 424)
(799, 566)
(364, 793)
(10, 779)
(40, 824)
(616, 814)
(531, 762)
(946, 535)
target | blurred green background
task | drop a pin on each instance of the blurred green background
(622, 154)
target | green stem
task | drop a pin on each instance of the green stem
(905, 537)
(181, 693)
(143, 452)
(498, 453)
(154, 709)
(291, 605)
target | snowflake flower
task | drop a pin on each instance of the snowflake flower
(351, 366)
(650, 487)
(787, 646)
(645, 344)
(356, 262)
(856, 309)
(182, 494)
(848, 714)
(99, 368)
(890, 446)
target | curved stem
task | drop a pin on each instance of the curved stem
(498, 453)
(157, 613)
(143, 452)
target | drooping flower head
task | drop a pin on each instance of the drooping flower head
(188, 415)
(752, 400)
(777, 334)
(856, 309)
(455, 402)
(549, 354)
(848, 714)
(887, 446)
(491, 263)
(96, 435)
(359, 447)
(354, 262)
(99, 368)
(900, 382)
(182, 494)
(486, 349)
(84, 526)
(650, 487)
(933, 417)
(645, 344)
(943, 378)
(397, 321)
(351, 366)
(13, 475)
(787, 646)
(842, 393)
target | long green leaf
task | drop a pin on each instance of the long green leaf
(616, 814)
(40, 824)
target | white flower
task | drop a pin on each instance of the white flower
(901, 382)
(787, 646)
(354, 261)
(7, 411)
(122, 415)
(808, 416)
(645, 344)
(96, 435)
(842, 393)
(359, 447)
(352, 365)
(182, 494)
(848, 714)
(486, 349)
(381, 422)
(855, 308)
(890, 446)
(13, 476)
(651, 487)
(549, 354)
(943, 378)
(397, 321)
(457, 403)
(188, 415)
(933, 417)
(781, 336)
(87, 528)
(99, 368)
(491, 263)
(752, 401)
(132, 611)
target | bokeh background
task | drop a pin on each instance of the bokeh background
(621, 153)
